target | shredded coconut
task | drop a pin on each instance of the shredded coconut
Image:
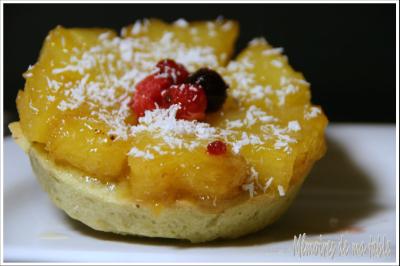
(258, 41)
(294, 126)
(162, 123)
(141, 154)
(268, 184)
(283, 92)
(36, 110)
(313, 112)
(281, 191)
(181, 23)
(273, 51)
(277, 63)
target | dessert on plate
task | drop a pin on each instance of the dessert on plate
(157, 132)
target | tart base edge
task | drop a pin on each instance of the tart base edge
(102, 210)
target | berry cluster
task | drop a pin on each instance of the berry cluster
(203, 91)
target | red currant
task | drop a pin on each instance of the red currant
(216, 147)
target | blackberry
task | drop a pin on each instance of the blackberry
(213, 85)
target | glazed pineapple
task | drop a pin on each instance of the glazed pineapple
(272, 107)
(160, 116)
(79, 90)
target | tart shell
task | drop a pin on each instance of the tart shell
(95, 205)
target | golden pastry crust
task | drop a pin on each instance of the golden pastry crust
(100, 208)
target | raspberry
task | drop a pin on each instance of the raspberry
(191, 98)
(148, 94)
(172, 69)
(216, 147)
(161, 90)
(214, 86)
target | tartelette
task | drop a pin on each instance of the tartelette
(155, 132)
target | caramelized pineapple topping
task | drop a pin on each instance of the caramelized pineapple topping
(77, 104)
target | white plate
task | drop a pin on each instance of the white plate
(350, 193)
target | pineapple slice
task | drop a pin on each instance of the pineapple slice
(84, 143)
(173, 155)
(180, 173)
(38, 104)
(269, 104)
(210, 43)
(262, 76)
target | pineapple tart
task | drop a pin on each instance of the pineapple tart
(158, 132)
